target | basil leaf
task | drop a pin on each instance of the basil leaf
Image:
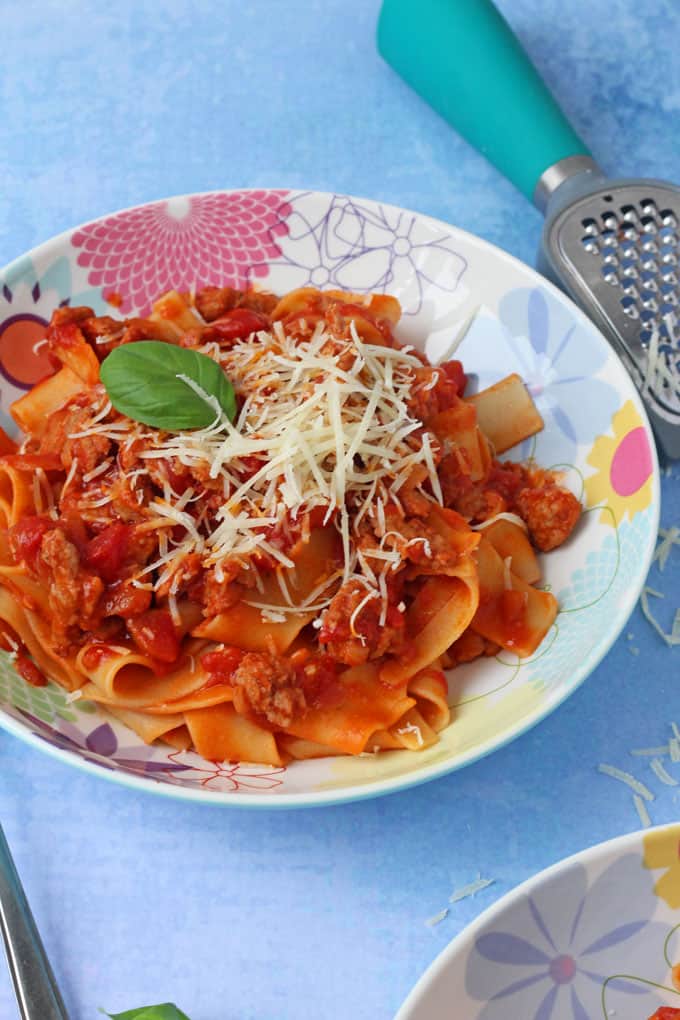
(167, 1011)
(150, 382)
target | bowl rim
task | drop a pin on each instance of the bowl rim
(393, 784)
(617, 845)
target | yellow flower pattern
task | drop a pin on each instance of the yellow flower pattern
(662, 850)
(624, 468)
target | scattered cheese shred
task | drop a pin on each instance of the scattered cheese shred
(668, 537)
(503, 516)
(671, 639)
(625, 777)
(652, 752)
(463, 331)
(437, 918)
(660, 772)
(470, 889)
(642, 811)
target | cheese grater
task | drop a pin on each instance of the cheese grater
(612, 245)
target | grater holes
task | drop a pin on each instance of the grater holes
(637, 247)
(629, 305)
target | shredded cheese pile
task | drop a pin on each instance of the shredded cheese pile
(324, 422)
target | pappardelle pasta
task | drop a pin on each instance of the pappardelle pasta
(289, 584)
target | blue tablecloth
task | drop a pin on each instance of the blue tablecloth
(318, 914)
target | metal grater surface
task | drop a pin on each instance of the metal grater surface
(617, 251)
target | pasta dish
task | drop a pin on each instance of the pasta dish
(286, 576)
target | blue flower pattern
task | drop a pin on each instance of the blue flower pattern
(536, 335)
(550, 953)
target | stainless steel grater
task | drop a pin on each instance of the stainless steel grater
(612, 245)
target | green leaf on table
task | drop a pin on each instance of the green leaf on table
(168, 387)
(166, 1011)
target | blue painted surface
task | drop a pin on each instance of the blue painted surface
(315, 914)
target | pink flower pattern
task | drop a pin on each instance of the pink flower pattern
(220, 239)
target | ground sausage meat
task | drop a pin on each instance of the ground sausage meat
(268, 687)
(62, 438)
(550, 513)
(73, 593)
(351, 629)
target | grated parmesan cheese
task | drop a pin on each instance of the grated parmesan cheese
(625, 777)
(470, 889)
(662, 773)
(642, 811)
(437, 918)
(410, 727)
(324, 422)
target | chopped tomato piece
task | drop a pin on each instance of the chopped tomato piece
(25, 539)
(122, 598)
(154, 634)
(106, 552)
(220, 665)
(237, 324)
(666, 1013)
(29, 671)
(95, 653)
(455, 374)
(317, 675)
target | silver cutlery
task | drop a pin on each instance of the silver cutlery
(35, 985)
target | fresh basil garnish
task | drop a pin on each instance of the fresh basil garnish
(167, 1011)
(168, 387)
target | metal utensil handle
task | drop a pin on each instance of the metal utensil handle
(34, 983)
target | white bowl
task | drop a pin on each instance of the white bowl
(595, 427)
(594, 937)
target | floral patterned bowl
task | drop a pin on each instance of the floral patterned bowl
(445, 279)
(595, 936)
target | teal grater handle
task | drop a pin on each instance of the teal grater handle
(462, 57)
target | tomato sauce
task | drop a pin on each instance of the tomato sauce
(235, 325)
(96, 653)
(155, 635)
(106, 552)
(221, 664)
(26, 537)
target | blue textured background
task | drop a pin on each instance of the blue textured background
(316, 914)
